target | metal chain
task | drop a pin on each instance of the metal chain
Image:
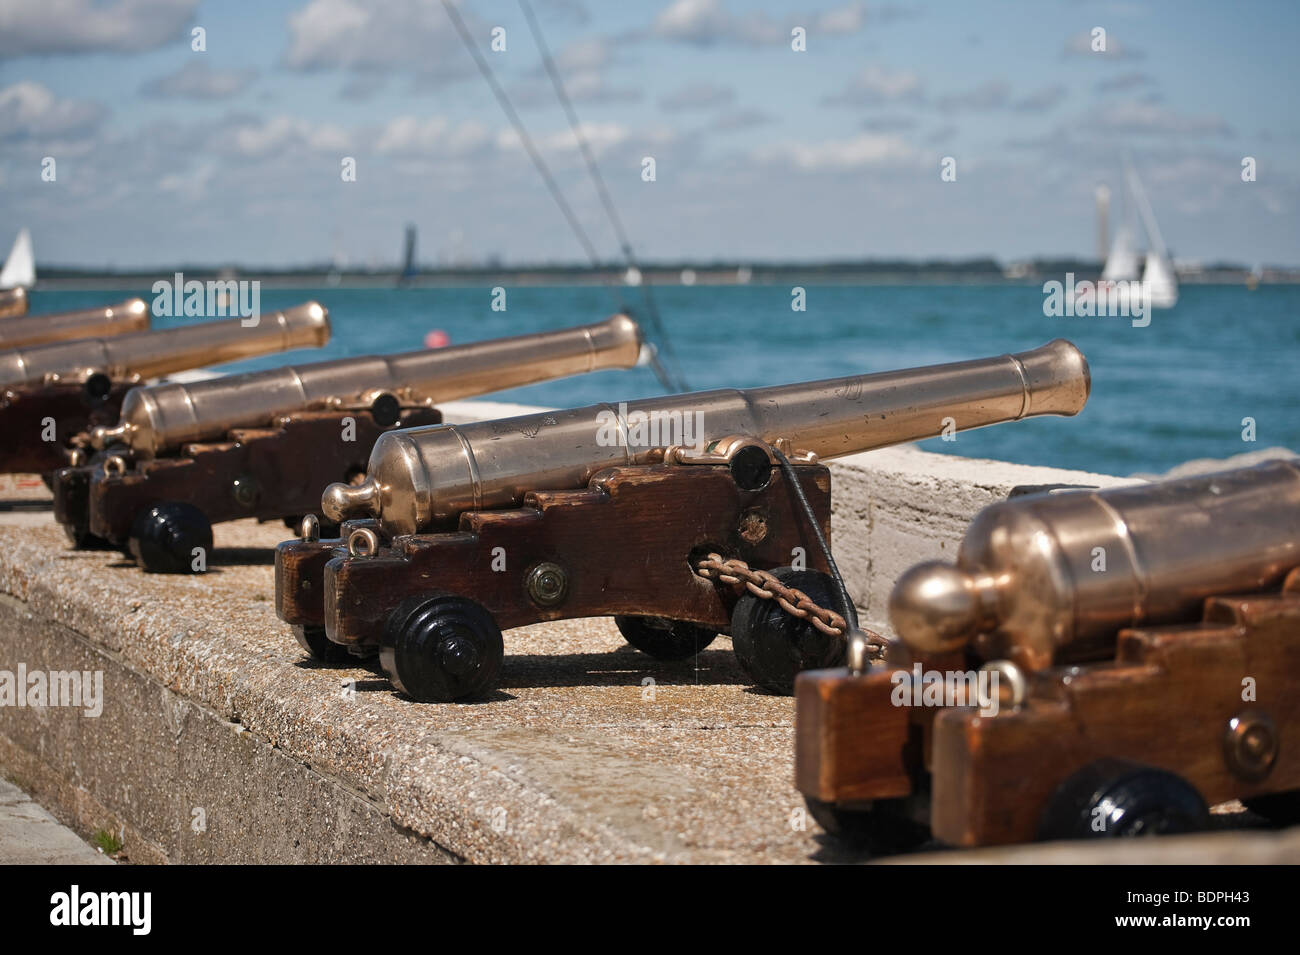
(793, 601)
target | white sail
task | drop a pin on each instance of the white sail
(20, 267)
(1158, 275)
(1122, 263)
(1158, 281)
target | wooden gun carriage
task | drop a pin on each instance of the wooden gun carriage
(266, 444)
(461, 531)
(53, 393)
(1147, 644)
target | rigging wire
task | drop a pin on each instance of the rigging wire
(593, 169)
(507, 107)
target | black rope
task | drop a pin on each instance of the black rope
(849, 612)
(593, 169)
(508, 108)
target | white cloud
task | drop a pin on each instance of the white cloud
(431, 138)
(31, 111)
(284, 133)
(591, 86)
(599, 136)
(1129, 117)
(864, 149)
(876, 85)
(197, 80)
(588, 53)
(695, 21)
(709, 22)
(192, 185)
(847, 19)
(376, 34)
(583, 66)
(42, 27)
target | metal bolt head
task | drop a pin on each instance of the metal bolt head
(245, 491)
(1250, 745)
(547, 584)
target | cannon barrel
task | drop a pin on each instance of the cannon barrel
(129, 316)
(13, 301)
(151, 354)
(1049, 579)
(163, 416)
(424, 476)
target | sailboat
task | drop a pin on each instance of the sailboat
(1122, 262)
(20, 268)
(1159, 285)
(1158, 280)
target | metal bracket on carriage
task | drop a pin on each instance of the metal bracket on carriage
(750, 459)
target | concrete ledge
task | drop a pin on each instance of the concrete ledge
(591, 752)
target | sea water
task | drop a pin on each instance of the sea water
(1220, 367)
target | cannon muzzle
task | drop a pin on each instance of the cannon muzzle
(13, 301)
(423, 477)
(129, 316)
(159, 417)
(141, 355)
(1049, 579)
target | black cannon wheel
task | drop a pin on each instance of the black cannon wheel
(881, 827)
(442, 648)
(164, 538)
(1117, 799)
(665, 639)
(1282, 809)
(320, 647)
(772, 645)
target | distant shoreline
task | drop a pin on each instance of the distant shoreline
(894, 273)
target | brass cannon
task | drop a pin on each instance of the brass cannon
(13, 301)
(51, 393)
(129, 316)
(184, 456)
(1145, 642)
(459, 532)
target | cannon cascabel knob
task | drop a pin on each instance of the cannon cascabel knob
(936, 607)
(343, 501)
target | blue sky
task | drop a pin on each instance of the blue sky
(233, 155)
